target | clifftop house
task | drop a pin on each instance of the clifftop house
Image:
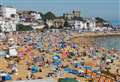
(69, 16)
(8, 18)
(76, 22)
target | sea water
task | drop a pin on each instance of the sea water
(108, 42)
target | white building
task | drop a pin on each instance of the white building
(83, 25)
(90, 23)
(8, 18)
(36, 16)
(7, 12)
(79, 25)
(8, 26)
(50, 23)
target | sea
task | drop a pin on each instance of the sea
(109, 42)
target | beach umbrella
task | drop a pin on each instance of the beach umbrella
(56, 60)
(71, 54)
(62, 44)
(87, 67)
(6, 77)
(21, 55)
(57, 63)
(75, 72)
(67, 70)
(34, 69)
(65, 54)
(95, 71)
(56, 57)
(81, 71)
(77, 64)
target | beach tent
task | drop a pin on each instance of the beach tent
(6, 77)
(67, 80)
(13, 52)
(3, 53)
(34, 69)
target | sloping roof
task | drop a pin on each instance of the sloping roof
(78, 18)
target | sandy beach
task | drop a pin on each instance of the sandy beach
(78, 45)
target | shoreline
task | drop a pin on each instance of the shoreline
(100, 34)
(83, 34)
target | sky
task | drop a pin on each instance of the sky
(107, 9)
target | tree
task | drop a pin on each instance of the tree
(100, 20)
(66, 24)
(46, 26)
(49, 16)
(52, 27)
(21, 27)
(60, 27)
(42, 15)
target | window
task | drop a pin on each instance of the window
(13, 15)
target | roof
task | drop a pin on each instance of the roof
(78, 18)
